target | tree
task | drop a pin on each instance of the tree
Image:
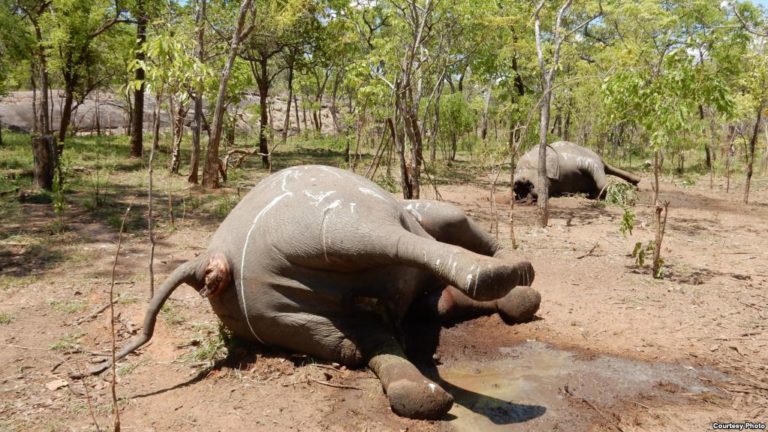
(212, 161)
(137, 113)
(34, 11)
(74, 25)
(283, 25)
(559, 35)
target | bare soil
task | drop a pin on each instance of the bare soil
(707, 316)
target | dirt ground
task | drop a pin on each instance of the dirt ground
(708, 313)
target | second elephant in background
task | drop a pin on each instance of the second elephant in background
(571, 169)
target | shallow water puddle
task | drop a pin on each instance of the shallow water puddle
(527, 385)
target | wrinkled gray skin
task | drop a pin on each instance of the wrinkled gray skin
(570, 169)
(324, 262)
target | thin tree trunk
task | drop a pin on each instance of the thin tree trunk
(150, 171)
(33, 83)
(137, 118)
(484, 121)
(296, 110)
(66, 111)
(287, 121)
(263, 119)
(198, 98)
(178, 135)
(45, 160)
(212, 162)
(752, 145)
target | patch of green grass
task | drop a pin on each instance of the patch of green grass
(209, 345)
(16, 282)
(127, 368)
(67, 306)
(67, 342)
(170, 314)
(6, 318)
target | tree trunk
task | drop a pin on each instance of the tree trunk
(45, 156)
(287, 121)
(42, 111)
(543, 186)
(137, 117)
(296, 110)
(33, 83)
(405, 183)
(212, 162)
(263, 122)
(66, 111)
(197, 126)
(752, 145)
(45, 115)
(335, 110)
(178, 134)
(484, 121)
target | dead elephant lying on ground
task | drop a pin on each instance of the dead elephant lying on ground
(324, 262)
(571, 169)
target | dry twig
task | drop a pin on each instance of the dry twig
(113, 384)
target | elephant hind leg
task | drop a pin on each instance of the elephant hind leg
(410, 393)
(450, 306)
(479, 276)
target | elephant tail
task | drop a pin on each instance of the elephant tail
(189, 273)
(620, 173)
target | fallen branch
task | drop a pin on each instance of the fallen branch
(588, 253)
(341, 386)
(96, 312)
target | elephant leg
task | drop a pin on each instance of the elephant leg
(409, 392)
(449, 224)
(479, 276)
(601, 181)
(450, 306)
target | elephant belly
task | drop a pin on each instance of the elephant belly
(321, 313)
(573, 183)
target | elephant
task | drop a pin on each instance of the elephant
(320, 261)
(570, 169)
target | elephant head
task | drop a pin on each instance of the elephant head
(526, 182)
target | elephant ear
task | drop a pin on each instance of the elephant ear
(553, 163)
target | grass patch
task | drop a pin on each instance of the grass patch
(171, 315)
(6, 318)
(210, 345)
(68, 342)
(68, 306)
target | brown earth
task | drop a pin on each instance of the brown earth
(707, 314)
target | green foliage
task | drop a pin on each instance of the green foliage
(6, 318)
(209, 347)
(171, 314)
(68, 306)
(621, 194)
(642, 252)
(68, 342)
(627, 223)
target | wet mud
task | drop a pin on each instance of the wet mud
(535, 386)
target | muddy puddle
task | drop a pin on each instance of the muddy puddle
(535, 386)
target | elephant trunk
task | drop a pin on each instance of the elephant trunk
(620, 173)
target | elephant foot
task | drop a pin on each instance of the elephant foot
(418, 398)
(519, 305)
(410, 394)
(494, 279)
